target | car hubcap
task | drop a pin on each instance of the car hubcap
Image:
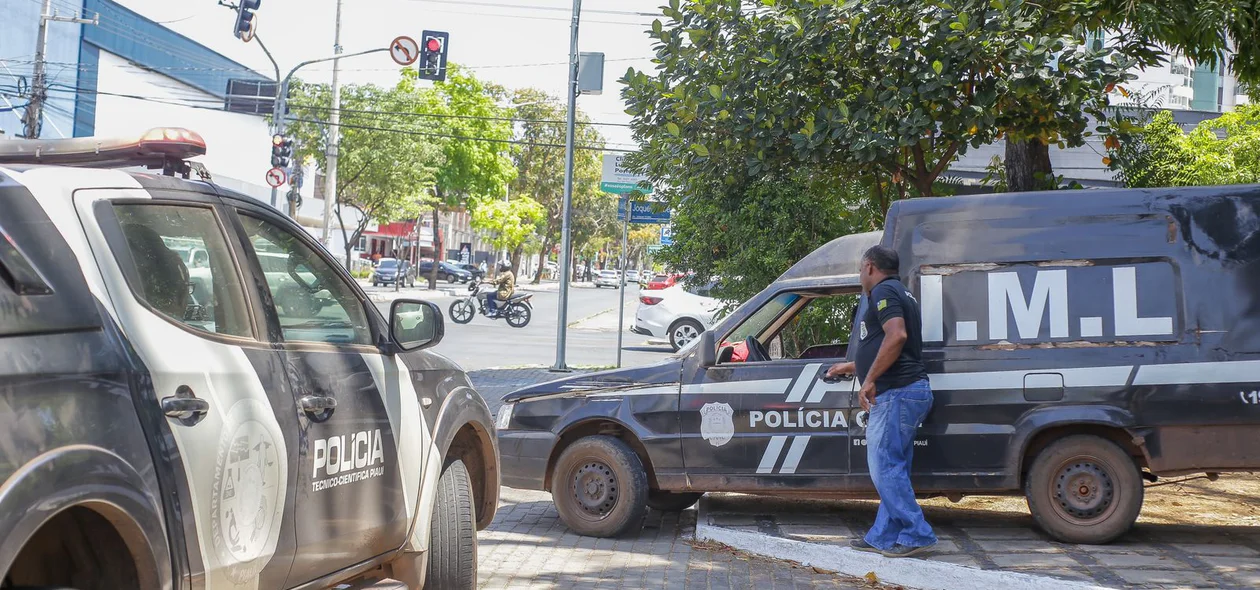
(595, 489)
(685, 334)
(1084, 490)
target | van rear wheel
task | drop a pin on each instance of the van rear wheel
(1084, 489)
(600, 488)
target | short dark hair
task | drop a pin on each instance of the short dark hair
(884, 259)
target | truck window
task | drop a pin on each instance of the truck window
(159, 239)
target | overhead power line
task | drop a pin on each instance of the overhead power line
(536, 7)
(365, 127)
(449, 116)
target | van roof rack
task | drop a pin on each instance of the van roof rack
(165, 148)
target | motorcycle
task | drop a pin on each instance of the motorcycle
(517, 310)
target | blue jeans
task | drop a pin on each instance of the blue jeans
(890, 430)
(492, 303)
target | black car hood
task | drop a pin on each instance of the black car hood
(663, 373)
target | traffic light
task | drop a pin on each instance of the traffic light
(281, 151)
(245, 19)
(433, 46)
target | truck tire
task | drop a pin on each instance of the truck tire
(1084, 489)
(672, 501)
(600, 488)
(453, 532)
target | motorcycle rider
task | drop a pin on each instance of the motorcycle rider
(505, 281)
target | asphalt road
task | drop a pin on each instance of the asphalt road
(485, 343)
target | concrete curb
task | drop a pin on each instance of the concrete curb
(378, 297)
(911, 573)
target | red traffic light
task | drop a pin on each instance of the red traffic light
(433, 44)
(277, 140)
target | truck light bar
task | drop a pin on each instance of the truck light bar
(158, 147)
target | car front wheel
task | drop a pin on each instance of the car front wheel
(453, 532)
(683, 332)
(600, 487)
(1084, 489)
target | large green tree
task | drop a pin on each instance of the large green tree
(475, 132)
(539, 159)
(381, 174)
(895, 89)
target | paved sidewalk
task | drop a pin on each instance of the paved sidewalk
(1151, 556)
(528, 546)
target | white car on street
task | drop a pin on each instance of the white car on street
(632, 276)
(679, 313)
(608, 278)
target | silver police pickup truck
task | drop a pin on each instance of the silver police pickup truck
(238, 418)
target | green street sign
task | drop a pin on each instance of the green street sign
(653, 249)
(622, 188)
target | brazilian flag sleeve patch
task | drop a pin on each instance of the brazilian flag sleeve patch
(881, 305)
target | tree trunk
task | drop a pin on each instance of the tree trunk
(437, 250)
(516, 258)
(1028, 165)
(542, 261)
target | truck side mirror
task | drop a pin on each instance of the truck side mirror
(708, 349)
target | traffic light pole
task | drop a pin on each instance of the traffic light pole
(334, 137)
(280, 109)
(566, 254)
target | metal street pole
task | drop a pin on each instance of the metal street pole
(621, 313)
(282, 97)
(330, 176)
(566, 263)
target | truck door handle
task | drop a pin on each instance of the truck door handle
(318, 407)
(185, 406)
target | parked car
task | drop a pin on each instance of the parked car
(678, 313)
(166, 425)
(389, 270)
(662, 281)
(608, 278)
(446, 272)
(473, 269)
(1079, 345)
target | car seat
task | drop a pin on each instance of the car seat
(162, 273)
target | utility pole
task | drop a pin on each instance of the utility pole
(566, 254)
(33, 115)
(334, 121)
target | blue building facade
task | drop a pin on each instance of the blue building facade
(73, 61)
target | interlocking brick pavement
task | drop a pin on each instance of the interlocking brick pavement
(1151, 556)
(528, 546)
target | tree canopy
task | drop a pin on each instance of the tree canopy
(383, 175)
(1224, 150)
(895, 89)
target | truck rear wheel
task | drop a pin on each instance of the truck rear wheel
(600, 488)
(672, 501)
(453, 532)
(1084, 489)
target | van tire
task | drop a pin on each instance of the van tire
(1109, 483)
(453, 532)
(662, 501)
(613, 499)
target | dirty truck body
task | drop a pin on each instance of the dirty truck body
(1078, 343)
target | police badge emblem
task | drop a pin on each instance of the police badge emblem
(862, 330)
(717, 424)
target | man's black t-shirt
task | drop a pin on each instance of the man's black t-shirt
(890, 299)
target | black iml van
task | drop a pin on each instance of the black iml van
(1078, 343)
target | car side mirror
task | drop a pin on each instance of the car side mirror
(415, 324)
(707, 349)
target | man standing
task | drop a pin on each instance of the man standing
(896, 392)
